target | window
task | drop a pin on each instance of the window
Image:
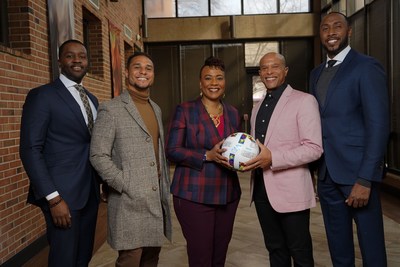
(192, 8)
(3, 22)
(354, 6)
(204, 8)
(95, 3)
(14, 25)
(254, 51)
(260, 7)
(290, 6)
(92, 33)
(226, 7)
(159, 8)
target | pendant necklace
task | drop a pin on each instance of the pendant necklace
(216, 118)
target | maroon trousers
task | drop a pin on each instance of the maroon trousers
(207, 230)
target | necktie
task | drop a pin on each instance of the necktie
(86, 104)
(331, 63)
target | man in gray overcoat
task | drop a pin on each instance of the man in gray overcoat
(127, 150)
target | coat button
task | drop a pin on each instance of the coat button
(152, 164)
(148, 139)
(154, 188)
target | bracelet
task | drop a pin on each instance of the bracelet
(55, 203)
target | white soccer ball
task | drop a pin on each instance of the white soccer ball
(240, 148)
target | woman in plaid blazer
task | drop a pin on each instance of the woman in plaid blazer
(205, 192)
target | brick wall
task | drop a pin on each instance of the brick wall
(25, 64)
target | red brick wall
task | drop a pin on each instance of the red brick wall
(25, 64)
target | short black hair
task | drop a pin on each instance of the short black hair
(340, 13)
(136, 54)
(213, 62)
(62, 46)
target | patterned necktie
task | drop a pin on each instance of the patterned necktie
(86, 104)
(331, 63)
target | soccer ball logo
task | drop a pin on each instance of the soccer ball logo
(240, 148)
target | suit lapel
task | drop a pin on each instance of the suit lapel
(229, 117)
(318, 72)
(210, 131)
(132, 110)
(159, 119)
(343, 68)
(93, 99)
(254, 113)
(71, 103)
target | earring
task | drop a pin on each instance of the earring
(201, 93)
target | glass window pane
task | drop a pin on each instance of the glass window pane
(192, 8)
(254, 51)
(225, 7)
(354, 6)
(294, 6)
(260, 7)
(259, 89)
(159, 8)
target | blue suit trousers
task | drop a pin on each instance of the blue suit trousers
(338, 219)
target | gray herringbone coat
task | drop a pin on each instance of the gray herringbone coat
(122, 153)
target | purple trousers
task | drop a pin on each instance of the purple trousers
(207, 230)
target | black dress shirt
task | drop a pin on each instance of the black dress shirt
(265, 112)
(262, 120)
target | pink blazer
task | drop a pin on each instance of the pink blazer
(294, 138)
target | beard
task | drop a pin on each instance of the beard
(332, 51)
(139, 86)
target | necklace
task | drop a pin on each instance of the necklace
(216, 118)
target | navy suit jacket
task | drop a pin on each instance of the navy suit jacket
(355, 119)
(191, 133)
(54, 146)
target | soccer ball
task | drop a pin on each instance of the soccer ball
(240, 148)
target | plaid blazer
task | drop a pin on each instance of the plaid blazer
(190, 134)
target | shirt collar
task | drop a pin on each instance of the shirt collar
(276, 93)
(67, 82)
(339, 57)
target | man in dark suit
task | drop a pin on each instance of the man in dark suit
(353, 99)
(54, 149)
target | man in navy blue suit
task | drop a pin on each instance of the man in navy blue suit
(353, 98)
(54, 149)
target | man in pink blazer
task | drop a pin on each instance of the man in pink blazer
(287, 125)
